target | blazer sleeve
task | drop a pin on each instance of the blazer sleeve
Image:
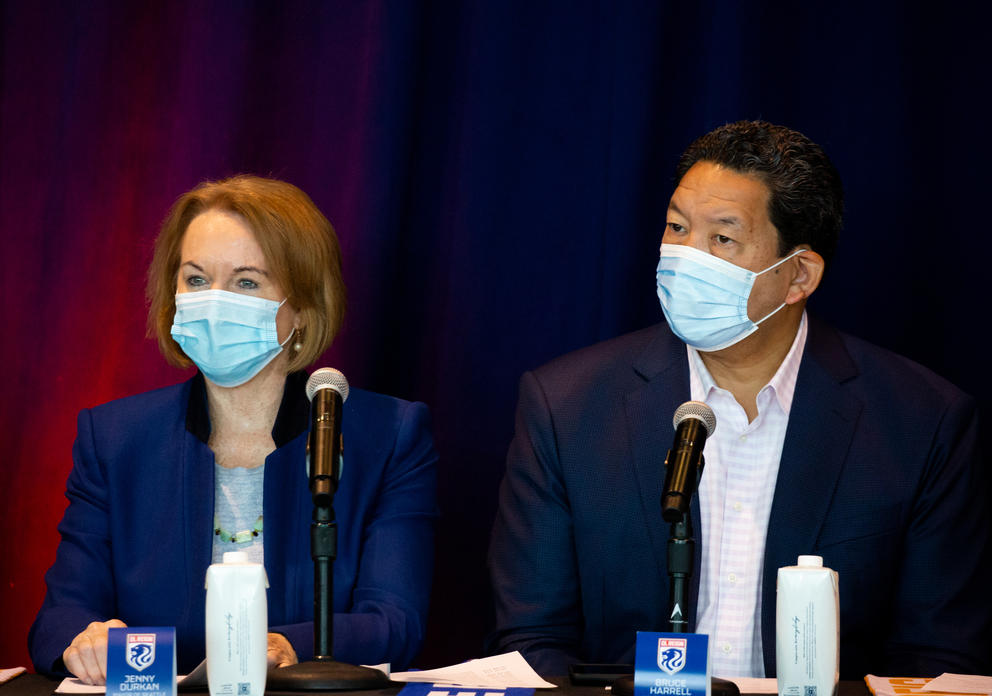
(532, 559)
(80, 585)
(388, 614)
(942, 618)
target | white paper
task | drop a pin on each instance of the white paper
(71, 685)
(755, 685)
(8, 674)
(960, 684)
(498, 672)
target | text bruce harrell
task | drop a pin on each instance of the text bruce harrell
(670, 687)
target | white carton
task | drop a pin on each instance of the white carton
(237, 627)
(807, 629)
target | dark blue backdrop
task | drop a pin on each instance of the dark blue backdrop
(498, 174)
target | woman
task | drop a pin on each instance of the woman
(245, 284)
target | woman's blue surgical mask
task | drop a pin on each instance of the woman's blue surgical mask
(230, 337)
(705, 298)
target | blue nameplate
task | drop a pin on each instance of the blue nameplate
(671, 664)
(422, 689)
(141, 661)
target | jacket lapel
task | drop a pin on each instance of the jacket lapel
(287, 506)
(198, 515)
(821, 426)
(649, 409)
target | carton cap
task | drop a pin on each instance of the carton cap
(804, 561)
(242, 557)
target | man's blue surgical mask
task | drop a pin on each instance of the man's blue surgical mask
(705, 298)
(229, 336)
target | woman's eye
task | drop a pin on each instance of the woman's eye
(247, 284)
(196, 281)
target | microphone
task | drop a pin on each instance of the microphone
(327, 390)
(694, 422)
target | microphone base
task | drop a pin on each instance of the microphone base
(624, 686)
(329, 675)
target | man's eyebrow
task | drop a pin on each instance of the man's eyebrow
(724, 220)
(728, 220)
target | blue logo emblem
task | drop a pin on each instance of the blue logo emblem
(139, 652)
(671, 654)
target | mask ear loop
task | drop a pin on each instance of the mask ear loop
(776, 265)
(291, 333)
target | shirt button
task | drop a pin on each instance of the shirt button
(732, 577)
(737, 507)
(743, 438)
(727, 648)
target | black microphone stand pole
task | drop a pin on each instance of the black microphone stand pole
(676, 498)
(681, 548)
(324, 673)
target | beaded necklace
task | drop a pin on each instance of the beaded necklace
(238, 537)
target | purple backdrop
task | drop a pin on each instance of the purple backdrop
(497, 173)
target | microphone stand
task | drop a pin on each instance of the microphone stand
(676, 510)
(324, 673)
(681, 549)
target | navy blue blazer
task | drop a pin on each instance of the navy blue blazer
(879, 474)
(137, 535)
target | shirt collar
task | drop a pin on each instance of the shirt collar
(782, 383)
(292, 420)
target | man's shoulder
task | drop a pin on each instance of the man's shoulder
(875, 359)
(882, 371)
(627, 359)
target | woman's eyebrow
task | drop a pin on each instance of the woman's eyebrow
(242, 269)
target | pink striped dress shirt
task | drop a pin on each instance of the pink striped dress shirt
(735, 498)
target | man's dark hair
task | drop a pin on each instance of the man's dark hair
(806, 204)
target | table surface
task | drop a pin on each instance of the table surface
(38, 685)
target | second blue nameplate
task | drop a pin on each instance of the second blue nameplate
(671, 664)
(141, 661)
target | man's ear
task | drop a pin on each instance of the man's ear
(808, 271)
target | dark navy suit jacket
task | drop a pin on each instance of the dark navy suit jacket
(879, 474)
(138, 532)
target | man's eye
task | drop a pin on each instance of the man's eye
(723, 239)
(676, 227)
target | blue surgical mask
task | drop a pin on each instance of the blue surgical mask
(229, 336)
(705, 298)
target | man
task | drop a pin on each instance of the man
(824, 445)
